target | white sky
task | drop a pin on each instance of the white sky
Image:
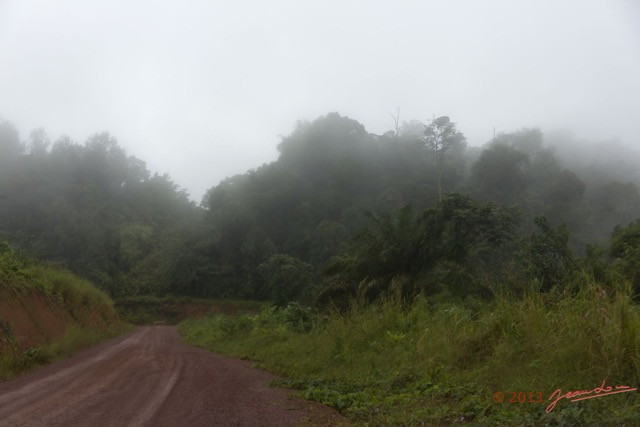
(204, 89)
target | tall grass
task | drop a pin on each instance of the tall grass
(441, 363)
(66, 287)
(14, 362)
(20, 274)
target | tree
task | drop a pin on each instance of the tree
(616, 203)
(105, 163)
(500, 172)
(285, 278)
(527, 141)
(412, 128)
(38, 143)
(393, 252)
(546, 255)
(10, 145)
(625, 249)
(396, 121)
(441, 136)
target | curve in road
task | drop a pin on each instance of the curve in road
(151, 378)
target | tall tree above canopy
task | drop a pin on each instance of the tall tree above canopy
(527, 141)
(326, 132)
(105, 162)
(38, 143)
(442, 137)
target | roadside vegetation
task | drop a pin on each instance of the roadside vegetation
(47, 313)
(439, 363)
(149, 309)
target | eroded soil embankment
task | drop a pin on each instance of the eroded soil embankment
(33, 318)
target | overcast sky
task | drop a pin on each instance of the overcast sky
(203, 90)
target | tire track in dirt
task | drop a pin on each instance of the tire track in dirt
(151, 378)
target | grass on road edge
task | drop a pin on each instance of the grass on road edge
(442, 363)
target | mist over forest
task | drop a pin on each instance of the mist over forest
(405, 209)
(341, 213)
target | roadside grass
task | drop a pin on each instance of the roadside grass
(21, 274)
(67, 288)
(438, 363)
(14, 362)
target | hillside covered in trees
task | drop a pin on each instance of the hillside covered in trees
(341, 213)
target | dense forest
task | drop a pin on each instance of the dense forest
(341, 213)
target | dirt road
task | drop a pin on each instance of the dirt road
(151, 378)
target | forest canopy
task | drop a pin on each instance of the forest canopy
(341, 213)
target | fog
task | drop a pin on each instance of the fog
(205, 90)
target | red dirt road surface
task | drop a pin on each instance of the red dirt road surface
(151, 378)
